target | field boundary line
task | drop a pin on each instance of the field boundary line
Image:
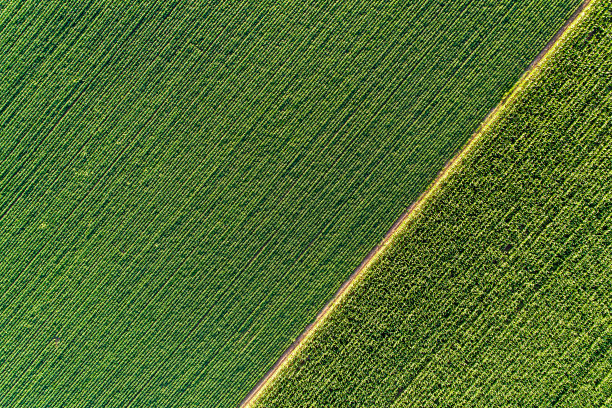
(414, 208)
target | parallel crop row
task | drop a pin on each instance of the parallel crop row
(498, 289)
(185, 183)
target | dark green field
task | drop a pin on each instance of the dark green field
(184, 184)
(497, 291)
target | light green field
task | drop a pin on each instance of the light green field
(497, 291)
(184, 184)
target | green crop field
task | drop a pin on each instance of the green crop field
(184, 184)
(497, 291)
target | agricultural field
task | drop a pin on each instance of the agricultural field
(184, 184)
(497, 289)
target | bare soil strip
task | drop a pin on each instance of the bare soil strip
(340, 292)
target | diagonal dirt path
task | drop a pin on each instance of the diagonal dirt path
(396, 225)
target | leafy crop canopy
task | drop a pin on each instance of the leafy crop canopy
(498, 289)
(185, 183)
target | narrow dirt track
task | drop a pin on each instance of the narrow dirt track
(340, 292)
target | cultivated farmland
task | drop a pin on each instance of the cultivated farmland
(185, 183)
(497, 291)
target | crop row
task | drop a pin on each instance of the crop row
(183, 185)
(497, 289)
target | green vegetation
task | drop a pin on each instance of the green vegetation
(497, 290)
(185, 183)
